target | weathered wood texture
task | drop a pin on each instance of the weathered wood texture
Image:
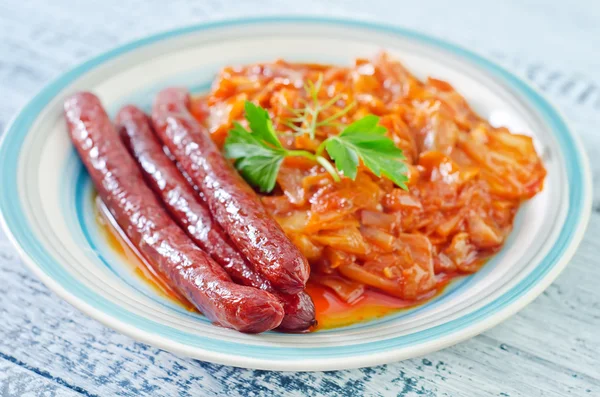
(551, 348)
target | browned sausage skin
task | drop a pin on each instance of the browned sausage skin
(232, 202)
(192, 214)
(299, 312)
(152, 231)
(179, 197)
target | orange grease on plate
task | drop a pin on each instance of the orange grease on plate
(139, 266)
(333, 312)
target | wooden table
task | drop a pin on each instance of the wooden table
(551, 348)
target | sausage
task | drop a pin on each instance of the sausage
(299, 312)
(179, 197)
(151, 230)
(190, 211)
(233, 204)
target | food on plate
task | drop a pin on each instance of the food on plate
(151, 230)
(178, 196)
(189, 210)
(337, 192)
(332, 179)
(233, 204)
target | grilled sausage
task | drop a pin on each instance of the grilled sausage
(233, 204)
(190, 211)
(151, 230)
(179, 197)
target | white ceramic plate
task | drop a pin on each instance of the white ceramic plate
(47, 211)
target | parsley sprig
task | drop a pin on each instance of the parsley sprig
(258, 154)
(306, 119)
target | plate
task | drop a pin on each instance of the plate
(46, 204)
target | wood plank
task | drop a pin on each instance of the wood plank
(17, 381)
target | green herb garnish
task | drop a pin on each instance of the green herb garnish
(306, 119)
(258, 154)
(365, 139)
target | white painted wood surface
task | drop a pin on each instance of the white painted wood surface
(551, 348)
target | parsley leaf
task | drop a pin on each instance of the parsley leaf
(258, 154)
(260, 123)
(261, 171)
(256, 160)
(365, 139)
(345, 158)
(365, 127)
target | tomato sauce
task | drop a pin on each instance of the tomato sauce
(333, 312)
